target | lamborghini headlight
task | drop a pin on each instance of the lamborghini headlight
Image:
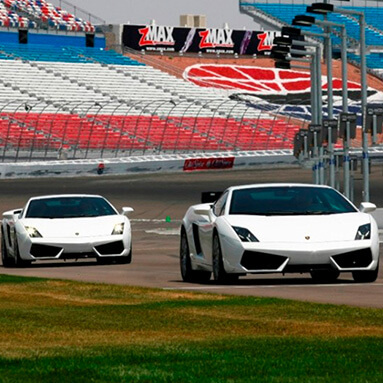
(118, 229)
(244, 234)
(33, 232)
(364, 232)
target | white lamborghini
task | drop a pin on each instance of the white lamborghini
(279, 228)
(65, 226)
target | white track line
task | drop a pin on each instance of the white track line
(351, 284)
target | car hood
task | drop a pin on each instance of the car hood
(74, 227)
(313, 228)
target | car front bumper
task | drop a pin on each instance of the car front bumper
(58, 248)
(260, 257)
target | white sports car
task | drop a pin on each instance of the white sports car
(65, 226)
(279, 228)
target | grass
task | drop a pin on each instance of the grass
(80, 332)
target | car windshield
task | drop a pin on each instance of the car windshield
(69, 207)
(288, 200)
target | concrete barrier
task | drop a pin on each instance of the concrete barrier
(144, 164)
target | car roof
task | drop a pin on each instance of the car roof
(250, 186)
(65, 196)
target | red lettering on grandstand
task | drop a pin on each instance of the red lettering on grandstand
(262, 45)
(203, 43)
(156, 35)
(208, 164)
(144, 32)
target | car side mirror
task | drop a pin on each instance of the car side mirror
(203, 211)
(367, 207)
(126, 211)
(11, 213)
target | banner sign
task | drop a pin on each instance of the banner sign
(208, 163)
(194, 40)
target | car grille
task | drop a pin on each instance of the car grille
(254, 260)
(358, 258)
(45, 251)
(111, 248)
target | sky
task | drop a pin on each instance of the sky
(164, 12)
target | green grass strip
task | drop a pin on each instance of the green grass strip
(63, 331)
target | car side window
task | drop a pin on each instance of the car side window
(219, 206)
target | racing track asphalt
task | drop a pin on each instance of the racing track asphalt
(155, 240)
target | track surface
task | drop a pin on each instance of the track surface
(155, 241)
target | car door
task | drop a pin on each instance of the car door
(206, 228)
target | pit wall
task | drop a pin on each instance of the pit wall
(147, 164)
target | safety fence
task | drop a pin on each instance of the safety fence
(47, 131)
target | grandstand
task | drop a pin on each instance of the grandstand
(63, 91)
(46, 14)
(283, 14)
(91, 101)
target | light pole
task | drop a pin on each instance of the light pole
(346, 157)
(305, 20)
(325, 8)
(283, 47)
(316, 81)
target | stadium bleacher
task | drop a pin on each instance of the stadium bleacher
(137, 133)
(63, 85)
(10, 19)
(54, 17)
(51, 53)
(96, 99)
(374, 33)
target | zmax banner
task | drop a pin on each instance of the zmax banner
(194, 40)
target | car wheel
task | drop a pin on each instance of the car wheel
(324, 276)
(187, 273)
(219, 272)
(366, 276)
(6, 260)
(19, 262)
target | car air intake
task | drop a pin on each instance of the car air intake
(254, 260)
(111, 248)
(45, 251)
(358, 258)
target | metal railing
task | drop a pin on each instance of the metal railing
(79, 12)
(346, 3)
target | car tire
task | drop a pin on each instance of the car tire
(6, 260)
(219, 272)
(187, 273)
(367, 276)
(324, 276)
(19, 262)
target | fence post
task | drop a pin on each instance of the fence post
(212, 121)
(8, 129)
